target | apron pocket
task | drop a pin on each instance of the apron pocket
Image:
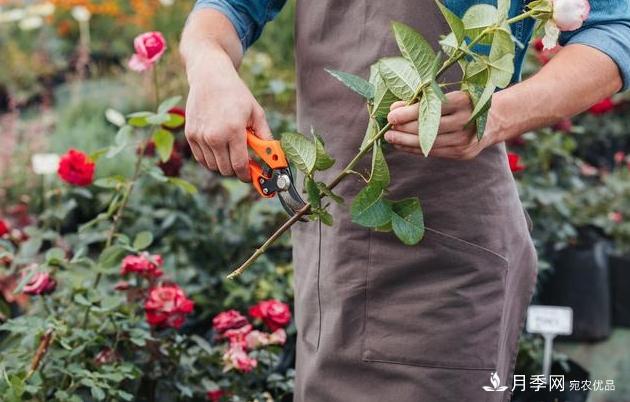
(437, 304)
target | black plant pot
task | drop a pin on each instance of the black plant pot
(580, 280)
(571, 372)
(619, 283)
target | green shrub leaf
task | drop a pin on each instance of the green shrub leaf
(400, 76)
(408, 221)
(168, 104)
(143, 240)
(369, 207)
(453, 21)
(164, 141)
(300, 151)
(415, 49)
(379, 175)
(354, 82)
(430, 113)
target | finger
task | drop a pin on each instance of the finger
(456, 101)
(397, 104)
(221, 156)
(410, 150)
(209, 158)
(239, 158)
(401, 138)
(448, 124)
(403, 114)
(454, 139)
(456, 152)
(197, 153)
(259, 124)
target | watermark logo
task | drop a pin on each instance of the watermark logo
(496, 384)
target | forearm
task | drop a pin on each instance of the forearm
(576, 78)
(210, 37)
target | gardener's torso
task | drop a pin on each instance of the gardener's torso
(362, 298)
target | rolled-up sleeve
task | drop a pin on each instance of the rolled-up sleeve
(248, 16)
(608, 30)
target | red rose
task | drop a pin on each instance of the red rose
(544, 55)
(4, 227)
(226, 320)
(273, 313)
(602, 107)
(76, 168)
(515, 162)
(167, 306)
(215, 395)
(40, 284)
(620, 156)
(615, 216)
(149, 47)
(144, 264)
(564, 125)
(173, 165)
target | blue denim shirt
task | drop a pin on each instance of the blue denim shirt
(607, 28)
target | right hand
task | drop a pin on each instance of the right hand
(219, 110)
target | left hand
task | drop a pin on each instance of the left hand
(454, 140)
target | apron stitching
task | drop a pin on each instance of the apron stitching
(365, 295)
(429, 365)
(473, 245)
(319, 300)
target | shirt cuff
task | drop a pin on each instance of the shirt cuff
(611, 39)
(243, 25)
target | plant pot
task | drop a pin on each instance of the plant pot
(579, 280)
(619, 283)
(571, 372)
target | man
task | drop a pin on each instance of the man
(377, 320)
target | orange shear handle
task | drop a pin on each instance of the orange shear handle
(271, 153)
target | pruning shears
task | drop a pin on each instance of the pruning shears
(274, 177)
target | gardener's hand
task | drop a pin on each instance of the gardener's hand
(454, 140)
(219, 109)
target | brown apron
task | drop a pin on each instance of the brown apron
(379, 321)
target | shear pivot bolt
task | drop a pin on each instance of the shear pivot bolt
(283, 182)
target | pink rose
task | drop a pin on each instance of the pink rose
(273, 313)
(237, 336)
(144, 264)
(620, 156)
(237, 358)
(149, 46)
(615, 217)
(257, 339)
(229, 319)
(41, 283)
(569, 15)
(167, 306)
(106, 356)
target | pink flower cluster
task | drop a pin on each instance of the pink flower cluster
(232, 326)
(167, 306)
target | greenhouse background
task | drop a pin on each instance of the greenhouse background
(80, 321)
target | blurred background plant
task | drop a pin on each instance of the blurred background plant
(64, 83)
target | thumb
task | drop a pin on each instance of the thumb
(259, 124)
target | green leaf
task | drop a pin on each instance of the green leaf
(143, 240)
(354, 82)
(501, 58)
(139, 119)
(329, 193)
(110, 182)
(475, 92)
(400, 76)
(300, 151)
(55, 256)
(430, 113)
(174, 120)
(163, 140)
(98, 154)
(183, 184)
(322, 215)
(120, 141)
(383, 97)
(158, 119)
(408, 221)
(479, 17)
(415, 49)
(483, 103)
(323, 160)
(111, 256)
(453, 21)
(503, 9)
(97, 393)
(168, 104)
(379, 176)
(369, 208)
(312, 192)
